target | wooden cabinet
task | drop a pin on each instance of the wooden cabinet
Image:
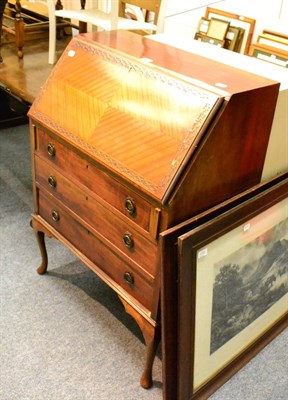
(129, 137)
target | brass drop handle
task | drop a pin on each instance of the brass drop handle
(55, 215)
(130, 206)
(52, 181)
(51, 150)
(129, 278)
(128, 240)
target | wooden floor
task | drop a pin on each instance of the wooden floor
(25, 77)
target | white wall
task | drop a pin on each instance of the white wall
(182, 16)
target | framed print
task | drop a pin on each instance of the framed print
(218, 28)
(240, 21)
(230, 270)
(269, 54)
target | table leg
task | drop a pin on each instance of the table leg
(2, 8)
(19, 29)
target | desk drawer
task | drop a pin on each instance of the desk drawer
(115, 229)
(77, 168)
(95, 250)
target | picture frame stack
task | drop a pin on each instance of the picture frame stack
(227, 30)
(216, 32)
(271, 47)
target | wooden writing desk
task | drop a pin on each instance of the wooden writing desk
(130, 137)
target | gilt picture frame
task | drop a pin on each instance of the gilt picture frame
(218, 28)
(275, 42)
(244, 248)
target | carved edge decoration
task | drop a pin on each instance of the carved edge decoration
(149, 73)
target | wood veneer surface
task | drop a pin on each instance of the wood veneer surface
(140, 109)
(141, 122)
(198, 68)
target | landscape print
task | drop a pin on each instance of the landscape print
(249, 282)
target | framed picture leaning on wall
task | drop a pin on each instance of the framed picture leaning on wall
(225, 289)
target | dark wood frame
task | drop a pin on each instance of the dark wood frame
(233, 18)
(178, 308)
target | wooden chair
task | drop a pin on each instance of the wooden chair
(18, 29)
(25, 19)
(143, 10)
(114, 18)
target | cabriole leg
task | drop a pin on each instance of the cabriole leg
(40, 236)
(152, 336)
(152, 339)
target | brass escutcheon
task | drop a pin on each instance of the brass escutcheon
(128, 240)
(130, 206)
(55, 215)
(51, 149)
(52, 181)
(129, 278)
